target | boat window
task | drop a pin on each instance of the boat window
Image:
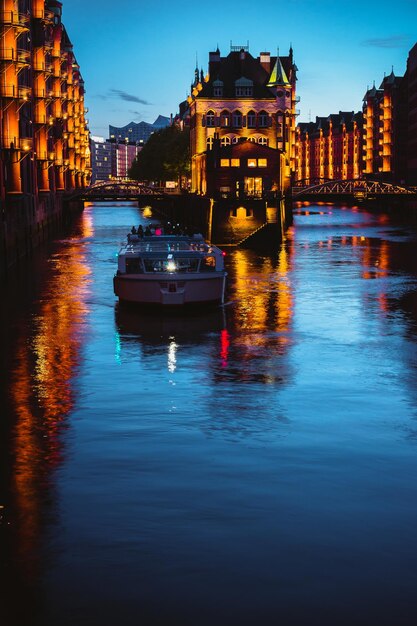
(154, 265)
(171, 265)
(208, 264)
(187, 265)
(133, 266)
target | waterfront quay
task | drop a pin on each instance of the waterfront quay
(246, 464)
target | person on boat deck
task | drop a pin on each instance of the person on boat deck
(133, 231)
(148, 232)
(140, 230)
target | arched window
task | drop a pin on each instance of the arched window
(237, 119)
(263, 141)
(209, 143)
(210, 118)
(263, 118)
(225, 141)
(251, 119)
(225, 119)
(235, 139)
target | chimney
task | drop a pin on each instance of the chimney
(265, 59)
(214, 60)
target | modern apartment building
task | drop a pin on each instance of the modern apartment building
(111, 159)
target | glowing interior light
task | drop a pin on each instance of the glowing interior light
(171, 267)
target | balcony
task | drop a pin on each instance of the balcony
(26, 144)
(8, 91)
(44, 15)
(8, 142)
(23, 57)
(24, 93)
(7, 54)
(39, 66)
(20, 21)
(39, 118)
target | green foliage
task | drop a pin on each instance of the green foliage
(165, 156)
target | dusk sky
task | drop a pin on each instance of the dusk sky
(138, 59)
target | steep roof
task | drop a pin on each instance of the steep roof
(278, 75)
(241, 66)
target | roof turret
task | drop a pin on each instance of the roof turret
(278, 76)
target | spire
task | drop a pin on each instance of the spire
(278, 75)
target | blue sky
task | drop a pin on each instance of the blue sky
(138, 59)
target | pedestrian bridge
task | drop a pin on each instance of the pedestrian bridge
(357, 189)
(116, 190)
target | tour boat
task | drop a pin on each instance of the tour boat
(170, 270)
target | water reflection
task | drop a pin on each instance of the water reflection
(41, 394)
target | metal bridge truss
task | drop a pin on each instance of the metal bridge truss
(353, 188)
(116, 189)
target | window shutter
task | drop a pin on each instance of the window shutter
(269, 121)
(217, 120)
(243, 120)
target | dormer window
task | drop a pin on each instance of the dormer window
(243, 87)
(218, 88)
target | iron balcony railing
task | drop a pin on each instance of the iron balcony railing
(13, 18)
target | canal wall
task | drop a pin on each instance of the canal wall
(224, 221)
(27, 222)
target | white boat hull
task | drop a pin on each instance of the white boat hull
(170, 290)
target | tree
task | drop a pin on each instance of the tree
(165, 156)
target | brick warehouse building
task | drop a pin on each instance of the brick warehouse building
(243, 99)
(330, 147)
(44, 139)
(379, 143)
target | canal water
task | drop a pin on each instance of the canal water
(249, 464)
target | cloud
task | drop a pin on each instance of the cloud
(118, 93)
(395, 41)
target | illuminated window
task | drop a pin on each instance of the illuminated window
(225, 119)
(225, 141)
(263, 141)
(235, 162)
(209, 143)
(251, 119)
(210, 118)
(224, 162)
(251, 162)
(237, 119)
(262, 162)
